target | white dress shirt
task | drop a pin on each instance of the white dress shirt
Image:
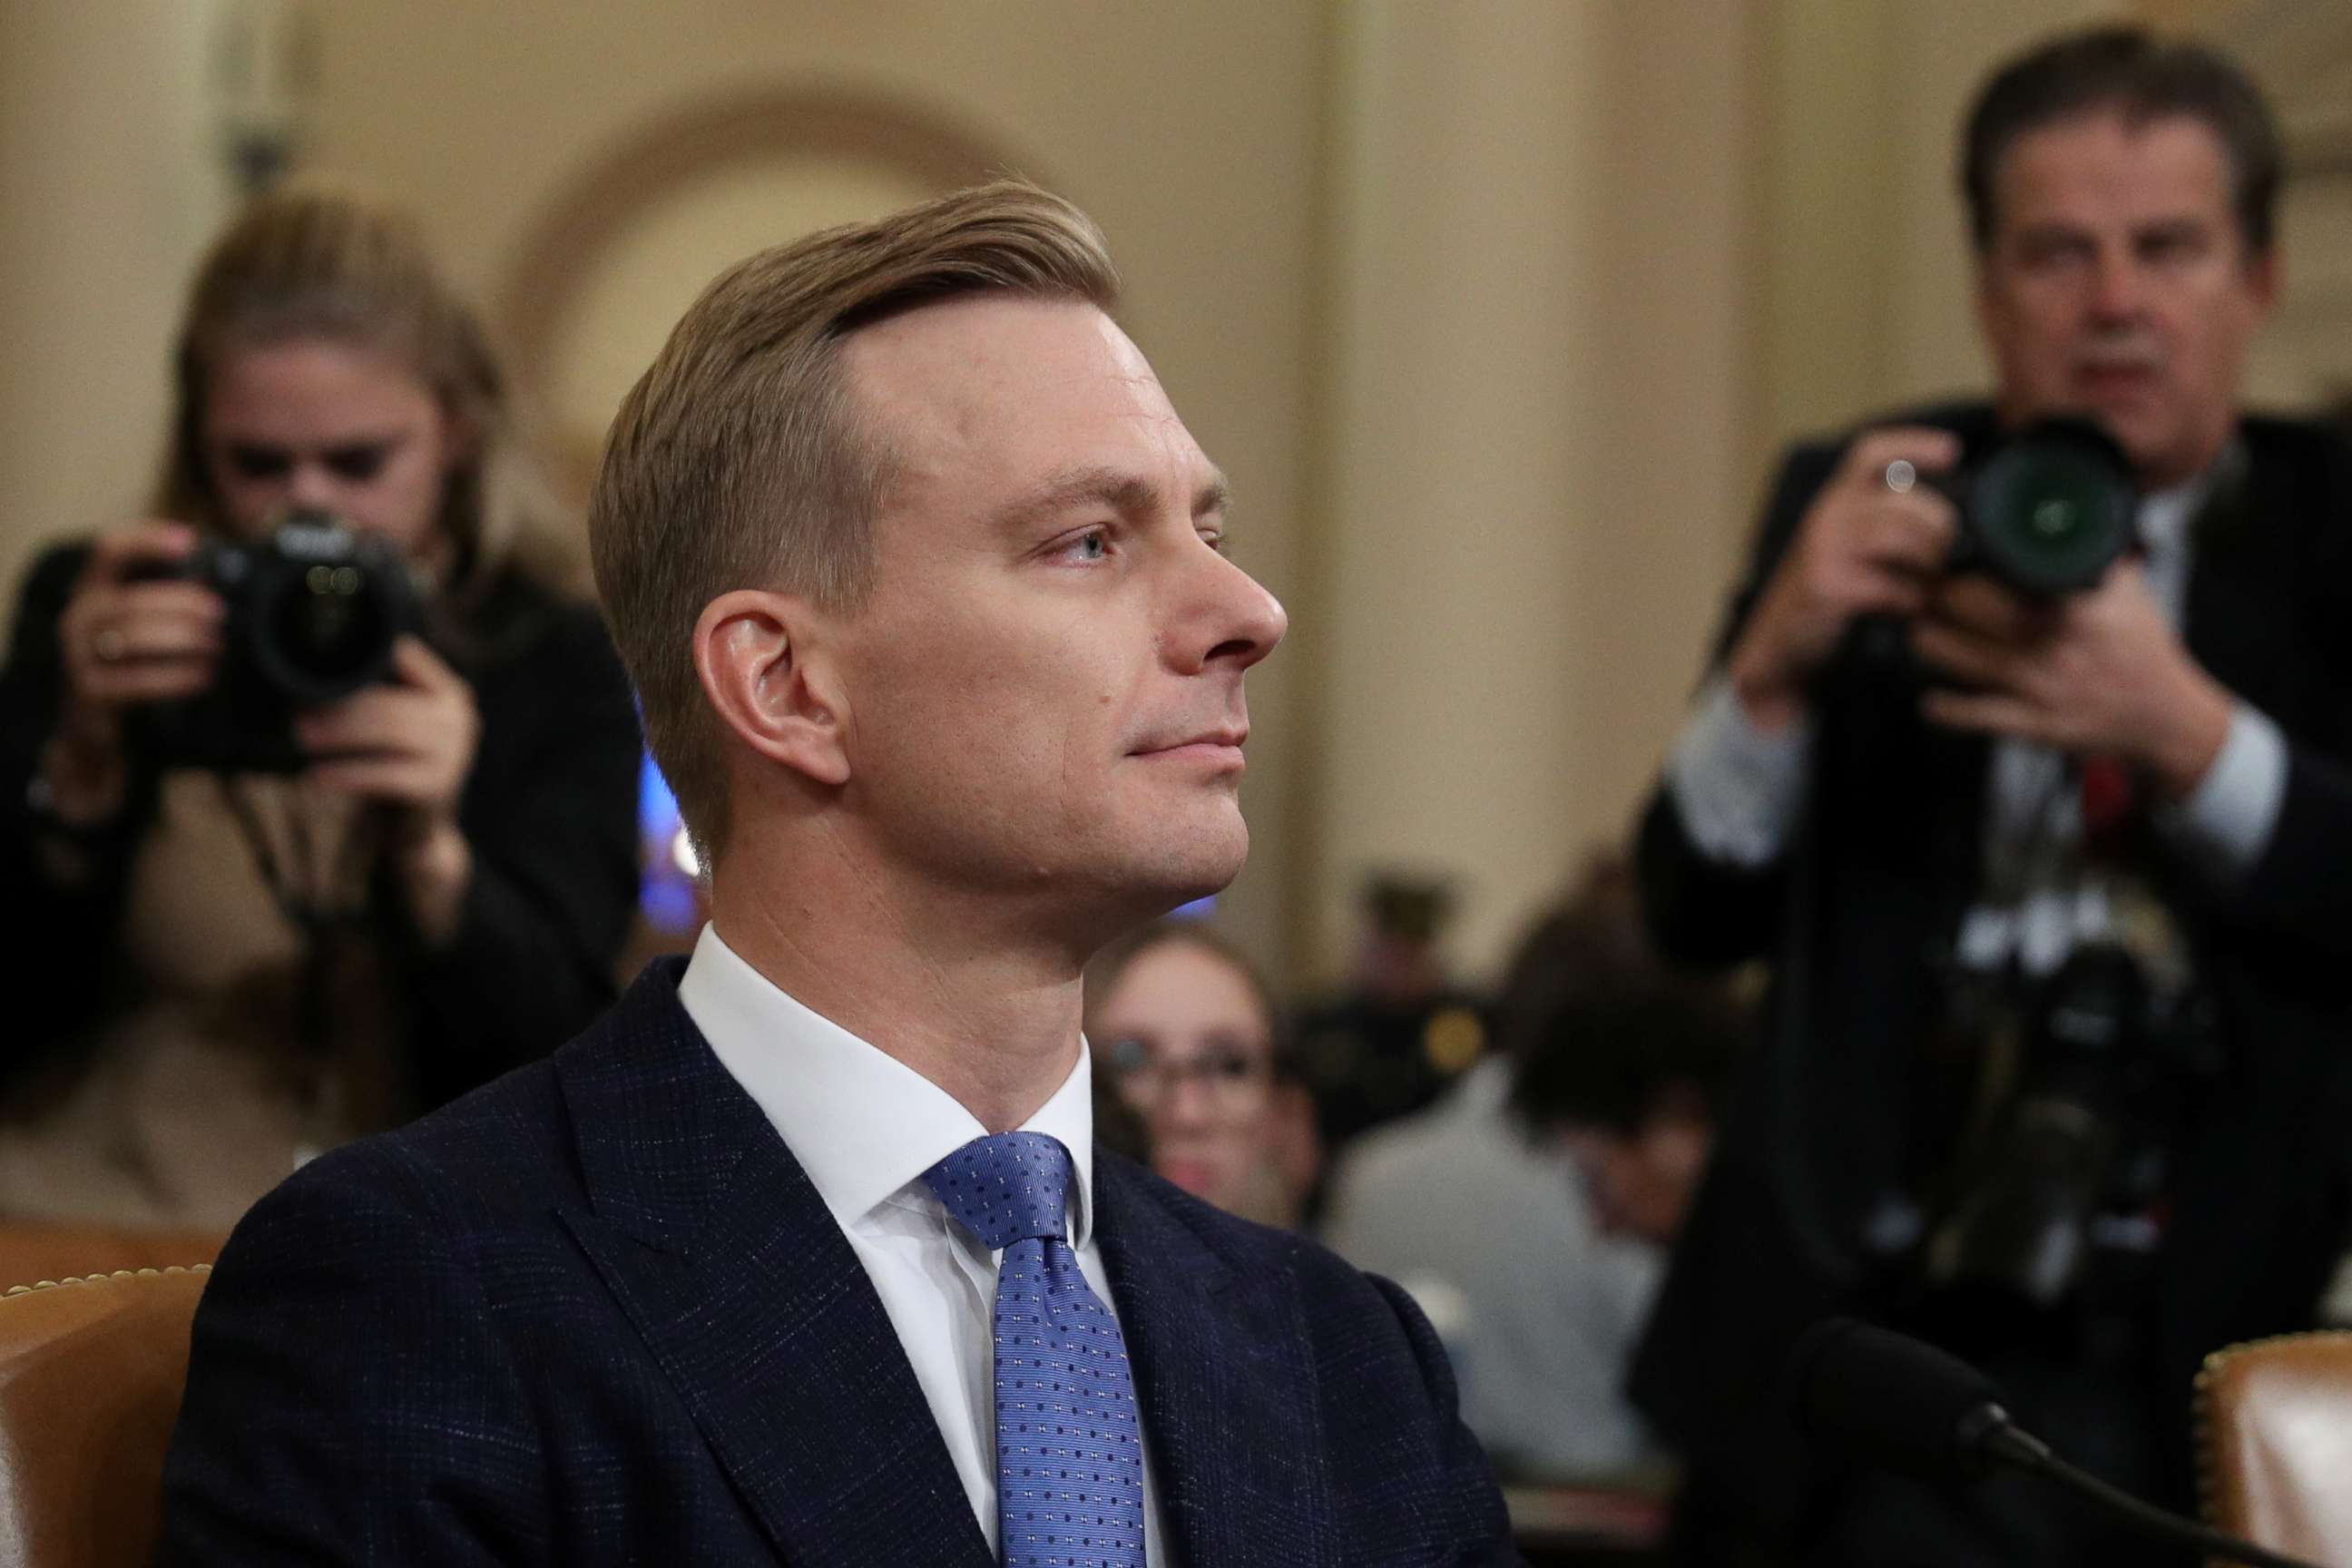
(866, 1126)
(1739, 791)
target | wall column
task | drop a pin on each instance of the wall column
(1538, 421)
(109, 187)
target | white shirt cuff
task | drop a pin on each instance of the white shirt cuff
(1738, 789)
(2226, 821)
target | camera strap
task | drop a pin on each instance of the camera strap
(308, 904)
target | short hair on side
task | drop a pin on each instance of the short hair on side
(736, 460)
(1601, 1030)
(2131, 72)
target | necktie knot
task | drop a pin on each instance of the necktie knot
(1006, 1188)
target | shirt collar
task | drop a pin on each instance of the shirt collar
(862, 1123)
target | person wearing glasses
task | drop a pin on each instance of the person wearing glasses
(1199, 1051)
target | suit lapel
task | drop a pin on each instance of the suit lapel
(1221, 1371)
(731, 1268)
(2238, 622)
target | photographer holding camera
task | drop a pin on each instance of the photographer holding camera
(318, 798)
(2058, 1067)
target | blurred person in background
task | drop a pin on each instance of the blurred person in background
(1196, 1048)
(1525, 1209)
(225, 967)
(1628, 1070)
(1401, 1030)
(2059, 1059)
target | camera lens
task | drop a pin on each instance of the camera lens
(326, 607)
(2053, 509)
(329, 625)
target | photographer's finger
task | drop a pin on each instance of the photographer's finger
(419, 667)
(379, 778)
(1985, 607)
(190, 601)
(377, 719)
(1984, 713)
(118, 550)
(1927, 450)
(1887, 592)
(149, 680)
(160, 635)
(1966, 657)
(1915, 533)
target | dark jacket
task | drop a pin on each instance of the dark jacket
(1881, 867)
(596, 1313)
(548, 810)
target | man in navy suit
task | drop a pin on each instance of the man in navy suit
(804, 1253)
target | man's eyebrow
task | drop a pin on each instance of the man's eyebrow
(1216, 495)
(1115, 488)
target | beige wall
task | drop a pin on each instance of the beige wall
(1542, 381)
(108, 189)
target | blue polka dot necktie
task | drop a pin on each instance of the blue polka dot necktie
(1069, 1457)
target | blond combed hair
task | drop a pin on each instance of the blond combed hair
(738, 461)
(315, 264)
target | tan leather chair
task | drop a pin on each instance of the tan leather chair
(29, 1253)
(91, 1372)
(2274, 1442)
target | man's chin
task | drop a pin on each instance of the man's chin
(1193, 883)
(1181, 867)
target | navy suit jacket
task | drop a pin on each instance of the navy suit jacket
(596, 1312)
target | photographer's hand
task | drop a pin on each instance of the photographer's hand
(2102, 672)
(1862, 548)
(121, 642)
(410, 744)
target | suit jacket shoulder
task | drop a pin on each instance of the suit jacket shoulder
(1299, 1411)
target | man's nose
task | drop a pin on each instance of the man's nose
(1235, 621)
(2116, 290)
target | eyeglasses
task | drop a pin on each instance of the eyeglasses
(1227, 1072)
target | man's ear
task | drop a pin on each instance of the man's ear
(757, 656)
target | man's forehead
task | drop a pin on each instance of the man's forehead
(970, 353)
(1012, 388)
(2115, 158)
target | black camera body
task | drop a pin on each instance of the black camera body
(314, 609)
(2046, 512)
(2108, 1058)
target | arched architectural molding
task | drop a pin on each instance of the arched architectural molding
(818, 124)
(596, 213)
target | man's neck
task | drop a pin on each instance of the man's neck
(990, 1021)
